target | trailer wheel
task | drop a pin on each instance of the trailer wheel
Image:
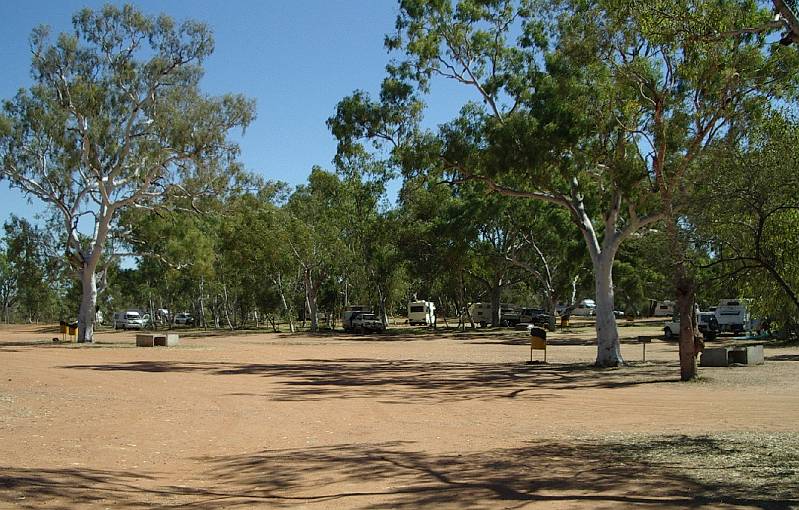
(667, 332)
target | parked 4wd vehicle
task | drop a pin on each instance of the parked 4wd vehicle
(510, 318)
(130, 320)
(364, 322)
(184, 319)
(708, 326)
(536, 316)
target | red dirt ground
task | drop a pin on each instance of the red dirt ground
(404, 420)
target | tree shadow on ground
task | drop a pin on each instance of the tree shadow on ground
(587, 474)
(783, 357)
(54, 329)
(577, 341)
(70, 488)
(407, 334)
(649, 472)
(29, 343)
(409, 380)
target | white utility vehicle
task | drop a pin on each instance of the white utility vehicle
(366, 322)
(708, 326)
(585, 308)
(349, 311)
(131, 319)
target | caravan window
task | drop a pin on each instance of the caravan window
(417, 309)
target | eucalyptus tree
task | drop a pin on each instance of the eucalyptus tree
(312, 231)
(33, 270)
(599, 107)
(686, 76)
(175, 248)
(543, 126)
(548, 251)
(434, 243)
(372, 268)
(115, 119)
(254, 255)
(8, 286)
(749, 214)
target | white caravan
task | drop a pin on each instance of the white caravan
(661, 308)
(422, 313)
(481, 313)
(732, 315)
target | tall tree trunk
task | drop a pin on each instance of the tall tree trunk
(573, 299)
(310, 297)
(685, 305)
(496, 305)
(684, 288)
(88, 303)
(279, 282)
(202, 302)
(153, 317)
(383, 312)
(608, 347)
(226, 308)
(551, 303)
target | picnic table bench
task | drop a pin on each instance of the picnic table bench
(156, 339)
(732, 354)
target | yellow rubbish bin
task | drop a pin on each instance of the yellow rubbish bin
(73, 331)
(538, 342)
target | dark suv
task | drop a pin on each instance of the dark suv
(536, 316)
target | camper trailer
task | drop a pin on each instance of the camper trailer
(481, 313)
(661, 308)
(421, 313)
(732, 315)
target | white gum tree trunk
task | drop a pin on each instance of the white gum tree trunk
(608, 347)
(88, 303)
(88, 270)
(602, 256)
(311, 291)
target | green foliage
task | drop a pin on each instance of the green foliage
(115, 119)
(29, 275)
(749, 214)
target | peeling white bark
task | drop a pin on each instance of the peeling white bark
(88, 304)
(608, 347)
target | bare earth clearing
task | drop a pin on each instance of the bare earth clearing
(403, 420)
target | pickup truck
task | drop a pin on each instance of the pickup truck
(708, 326)
(363, 322)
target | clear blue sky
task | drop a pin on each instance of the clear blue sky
(296, 58)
